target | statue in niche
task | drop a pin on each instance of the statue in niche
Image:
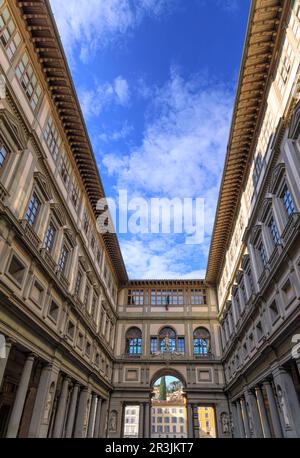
(113, 421)
(48, 403)
(283, 406)
(225, 423)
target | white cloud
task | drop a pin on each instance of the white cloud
(157, 259)
(89, 24)
(94, 101)
(116, 135)
(182, 153)
(121, 90)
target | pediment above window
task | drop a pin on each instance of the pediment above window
(58, 212)
(14, 134)
(276, 177)
(70, 236)
(255, 233)
(294, 130)
(265, 208)
(245, 261)
(43, 185)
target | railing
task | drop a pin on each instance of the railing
(3, 193)
(49, 260)
(30, 234)
(63, 279)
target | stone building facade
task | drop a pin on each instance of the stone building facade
(258, 274)
(82, 342)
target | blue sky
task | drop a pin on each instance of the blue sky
(156, 80)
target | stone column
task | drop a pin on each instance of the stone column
(254, 414)
(196, 421)
(16, 414)
(44, 401)
(141, 420)
(273, 410)
(190, 421)
(234, 415)
(72, 411)
(245, 418)
(103, 421)
(288, 401)
(81, 412)
(240, 420)
(61, 409)
(91, 426)
(3, 361)
(147, 420)
(98, 418)
(263, 412)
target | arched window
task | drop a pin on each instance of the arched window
(167, 339)
(201, 342)
(134, 341)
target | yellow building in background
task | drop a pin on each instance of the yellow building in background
(207, 423)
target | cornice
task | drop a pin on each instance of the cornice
(266, 25)
(40, 25)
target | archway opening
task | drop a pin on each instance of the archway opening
(168, 408)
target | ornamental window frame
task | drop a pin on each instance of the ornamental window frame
(201, 341)
(64, 258)
(29, 82)
(78, 281)
(133, 341)
(52, 137)
(176, 342)
(33, 209)
(10, 36)
(65, 169)
(5, 153)
(198, 296)
(50, 247)
(135, 297)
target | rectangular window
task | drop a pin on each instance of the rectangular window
(3, 154)
(33, 209)
(181, 345)
(257, 169)
(28, 80)
(78, 283)
(65, 170)
(49, 239)
(274, 232)
(135, 297)
(288, 201)
(9, 35)
(63, 259)
(153, 345)
(52, 138)
(198, 296)
(75, 195)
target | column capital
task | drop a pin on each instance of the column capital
(31, 356)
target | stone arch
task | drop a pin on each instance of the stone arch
(168, 371)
